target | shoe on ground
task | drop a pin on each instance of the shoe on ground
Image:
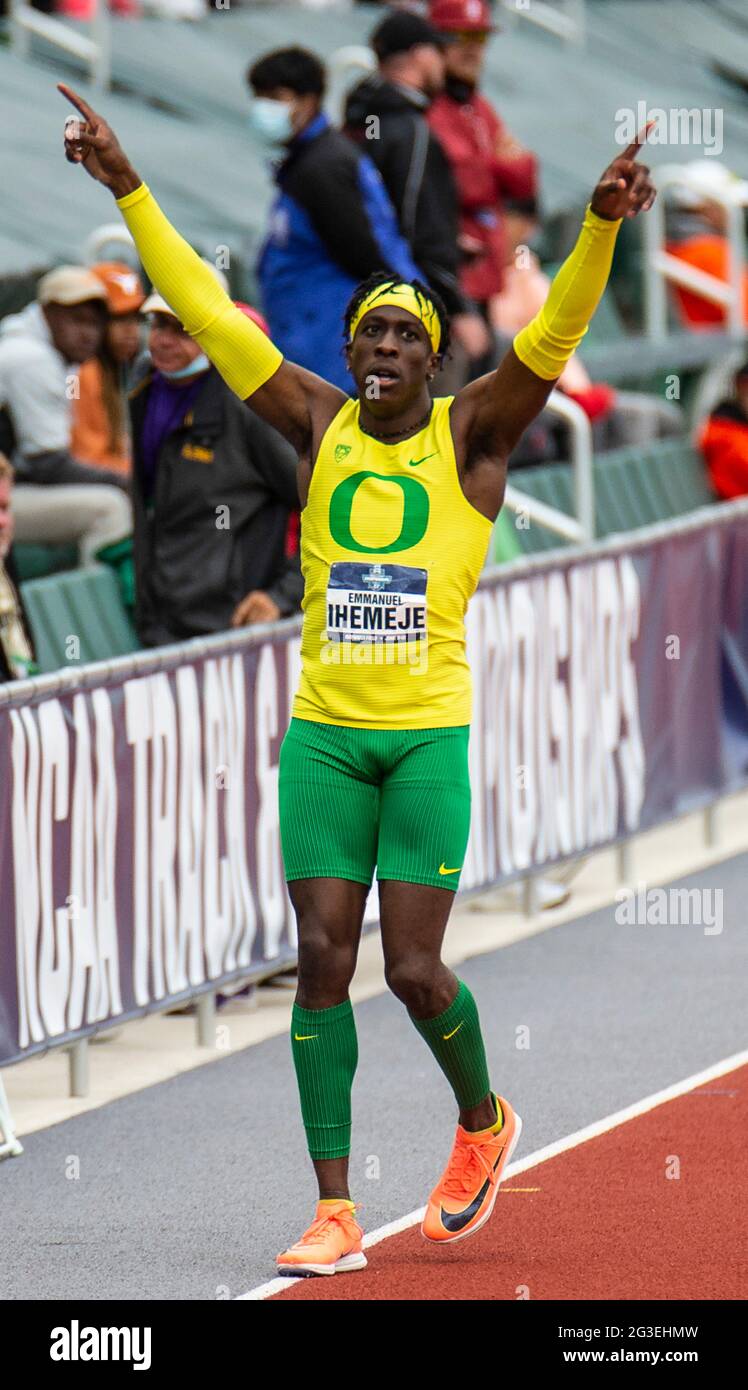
(332, 1244)
(549, 893)
(464, 1196)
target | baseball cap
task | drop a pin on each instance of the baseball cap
(714, 178)
(69, 284)
(462, 16)
(154, 304)
(125, 293)
(400, 32)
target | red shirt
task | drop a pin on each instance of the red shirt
(472, 136)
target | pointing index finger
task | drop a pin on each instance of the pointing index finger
(633, 149)
(78, 102)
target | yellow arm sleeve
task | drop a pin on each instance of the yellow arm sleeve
(549, 340)
(240, 350)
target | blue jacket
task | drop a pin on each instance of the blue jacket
(331, 226)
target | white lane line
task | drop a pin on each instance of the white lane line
(572, 1141)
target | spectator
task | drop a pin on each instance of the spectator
(618, 417)
(723, 440)
(699, 238)
(56, 499)
(332, 223)
(488, 164)
(213, 487)
(16, 647)
(388, 111)
(99, 431)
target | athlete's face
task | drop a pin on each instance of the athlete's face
(391, 360)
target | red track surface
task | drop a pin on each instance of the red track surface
(607, 1222)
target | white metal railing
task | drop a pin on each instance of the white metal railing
(353, 60)
(94, 51)
(567, 19)
(108, 234)
(662, 268)
(581, 527)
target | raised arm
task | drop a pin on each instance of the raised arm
(490, 415)
(296, 402)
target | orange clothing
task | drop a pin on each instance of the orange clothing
(709, 253)
(89, 440)
(724, 444)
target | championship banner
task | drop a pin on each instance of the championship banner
(140, 857)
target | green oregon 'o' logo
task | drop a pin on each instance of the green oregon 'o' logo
(415, 513)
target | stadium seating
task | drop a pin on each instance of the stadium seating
(85, 604)
(180, 104)
(633, 487)
(36, 561)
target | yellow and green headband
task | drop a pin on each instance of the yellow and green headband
(401, 296)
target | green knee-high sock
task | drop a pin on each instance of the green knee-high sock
(325, 1054)
(456, 1041)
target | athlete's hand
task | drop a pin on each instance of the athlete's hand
(93, 143)
(257, 607)
(625, 188)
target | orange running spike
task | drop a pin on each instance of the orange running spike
(464, 1196)
(331, 1245)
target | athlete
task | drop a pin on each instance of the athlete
(399, 497)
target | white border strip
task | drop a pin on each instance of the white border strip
(572, 1141)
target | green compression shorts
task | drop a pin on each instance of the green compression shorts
(353, 799)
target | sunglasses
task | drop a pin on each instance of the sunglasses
(469, 36)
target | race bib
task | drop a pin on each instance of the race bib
(376, 603)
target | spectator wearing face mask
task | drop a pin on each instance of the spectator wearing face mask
(387, 114)
(213, 489)
(100, 426)
(331, 224)
(488, 164)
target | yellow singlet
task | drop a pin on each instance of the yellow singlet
(391, 552)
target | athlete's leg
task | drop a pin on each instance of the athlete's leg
(414, 918)
(329, 915)
(329, 808)
(423, 834)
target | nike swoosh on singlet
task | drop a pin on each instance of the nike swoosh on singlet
(413, 463)
(456, 1220)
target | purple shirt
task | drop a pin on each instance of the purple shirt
(168, 403)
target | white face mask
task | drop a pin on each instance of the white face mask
(270, 120)
(193, 368)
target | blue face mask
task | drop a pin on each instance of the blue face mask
(270, 120)
(200, 364)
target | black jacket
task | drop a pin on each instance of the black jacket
(417, 175)
(331, 225)
(6, 674)
(215, 526)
